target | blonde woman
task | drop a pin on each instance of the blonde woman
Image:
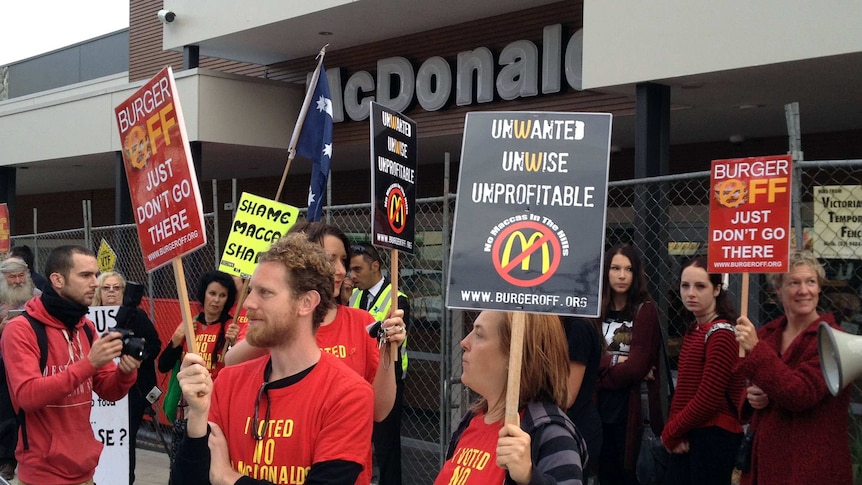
(110, 289)
(546, 448)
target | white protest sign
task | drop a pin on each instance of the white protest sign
(109, 419)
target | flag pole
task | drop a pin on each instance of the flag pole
(297, 129)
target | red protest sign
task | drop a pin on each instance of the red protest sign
(749, 215)
(162, 180)
(5, 241)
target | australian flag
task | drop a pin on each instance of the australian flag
(315, 143)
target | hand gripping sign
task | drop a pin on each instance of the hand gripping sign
(162, 182)
(749, 218)
(394, 165)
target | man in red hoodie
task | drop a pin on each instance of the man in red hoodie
(60, 447)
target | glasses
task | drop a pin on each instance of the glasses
(112, 288)
(257, 431)
(365, 249)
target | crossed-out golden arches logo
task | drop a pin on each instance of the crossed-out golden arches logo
(526, 253)
(137, 147)
(731, 193)
(396, 208)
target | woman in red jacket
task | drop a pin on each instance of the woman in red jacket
(800, 429)
(630, 328)
(702, 431)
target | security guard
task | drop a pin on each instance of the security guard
(373, 292)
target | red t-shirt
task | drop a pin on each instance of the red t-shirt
(241, 320)
(205, 341)
(325, 416)
(346, 338)
(475, 459)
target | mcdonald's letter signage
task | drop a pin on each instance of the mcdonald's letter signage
(530, 216)
(393, 180)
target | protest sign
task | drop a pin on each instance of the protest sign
(749, 215)
(5, 232)
(162, 182)
(838, 221)
(110, 419)
(393, 179)
(530, 217)
(258, 223)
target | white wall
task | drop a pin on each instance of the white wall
(629, 41)
(217, 107)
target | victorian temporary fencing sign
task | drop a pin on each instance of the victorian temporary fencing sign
(162, 181)
(838, 221)
(106, 257)
(749, 215)
(257, 224)
(393, 179)
(530, 216)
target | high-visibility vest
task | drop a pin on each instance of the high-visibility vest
(380, 310)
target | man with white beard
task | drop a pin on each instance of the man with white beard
(16, 288)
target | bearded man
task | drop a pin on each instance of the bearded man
(16, 287)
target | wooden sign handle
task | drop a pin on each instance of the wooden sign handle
(516, 355)
(393, 271)
(185, 308)
(743, 304)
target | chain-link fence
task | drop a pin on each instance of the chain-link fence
(667, 218)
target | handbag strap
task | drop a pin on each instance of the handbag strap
(663, 356)
(666, 359)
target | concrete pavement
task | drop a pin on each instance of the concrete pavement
(153, 468)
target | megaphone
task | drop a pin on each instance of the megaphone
(840, 357)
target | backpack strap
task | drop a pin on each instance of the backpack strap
(718, 326)
(42, 340)
(89, 332)
(712, 330)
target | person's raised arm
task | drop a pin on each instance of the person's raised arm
(242, 352)
(384, 380)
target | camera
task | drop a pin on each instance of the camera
(134, 346)
(166, 16)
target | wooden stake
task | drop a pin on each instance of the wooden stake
(242, 294)
(393, 272)
(516, 355)
(185, 308)
(743, 304)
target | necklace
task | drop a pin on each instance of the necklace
(710, 318)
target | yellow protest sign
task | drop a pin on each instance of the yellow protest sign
(107, 257)
(257, 224)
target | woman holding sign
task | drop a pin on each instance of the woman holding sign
(800, 429)
(546, 448)
(703, 432)
(214, 325)
(631, 338)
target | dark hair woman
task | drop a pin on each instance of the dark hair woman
(216, 294)
(631, 335)
(703, 431)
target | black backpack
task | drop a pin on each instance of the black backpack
(9, 419)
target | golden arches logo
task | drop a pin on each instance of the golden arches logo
(506, 257)
(515, 268)
(396, 209)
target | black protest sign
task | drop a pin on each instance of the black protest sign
(393, 179)
(530, 216)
